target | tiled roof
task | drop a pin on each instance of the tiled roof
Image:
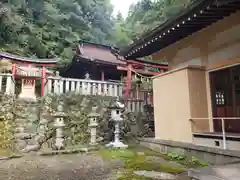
(99, 54)
(27, 59)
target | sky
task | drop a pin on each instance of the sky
(122, 6)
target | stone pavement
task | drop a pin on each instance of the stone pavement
(61, 167)
(221, 172)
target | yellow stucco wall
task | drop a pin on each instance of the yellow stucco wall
(170, 115)
(177, 101)
(183, 92)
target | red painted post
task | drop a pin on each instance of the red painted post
(43, 81)
(129, 81)
(151, 98)
(14, 69)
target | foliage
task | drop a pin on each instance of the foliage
(142, 83)
(7, 125)
(6, 137)
(147, 14)
(189, 161)
(51, 28)
(176, 156)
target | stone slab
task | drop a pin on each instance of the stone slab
(10, 157)
(156, 175)
(67, 151)
(223, 172)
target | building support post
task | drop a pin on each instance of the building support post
(43, 81)
(14, 70)
(102, 76)
(128, 82)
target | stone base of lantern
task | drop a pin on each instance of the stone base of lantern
(93, 144)
(117, 144)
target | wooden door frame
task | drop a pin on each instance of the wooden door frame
(230, 93)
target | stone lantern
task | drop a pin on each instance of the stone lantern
(116, 116)
(93, 116)
(59, 125)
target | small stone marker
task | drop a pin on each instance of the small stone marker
(93, 116)
(59, 124)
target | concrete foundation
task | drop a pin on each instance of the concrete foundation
(208, 154)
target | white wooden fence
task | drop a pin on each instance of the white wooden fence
(7, 84)
(60, 85)
(135, 105)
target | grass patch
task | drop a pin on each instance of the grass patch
(148, 152)
(117, 154)
(190, 162)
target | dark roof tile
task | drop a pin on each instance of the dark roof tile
(27, 59)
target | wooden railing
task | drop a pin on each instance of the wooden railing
(202, 125)
(60, 85)
(135, 105)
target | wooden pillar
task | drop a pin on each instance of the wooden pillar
(128, 84)
(14, 70)
(43, 81)
(145, 93)
(102, 76)
(151, 98)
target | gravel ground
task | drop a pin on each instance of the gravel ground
(61, 167)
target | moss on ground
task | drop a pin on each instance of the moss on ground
(135, 161)
(129, 175)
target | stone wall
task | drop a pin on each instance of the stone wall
(32, 122)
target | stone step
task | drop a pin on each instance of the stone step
(201, 175)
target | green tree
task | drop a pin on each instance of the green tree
(51, 28)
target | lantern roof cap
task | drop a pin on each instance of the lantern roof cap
(117, 105)
(93, 113)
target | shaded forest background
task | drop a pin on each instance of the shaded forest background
(51, 28)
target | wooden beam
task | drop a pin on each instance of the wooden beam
(146, 64)
(121, 68)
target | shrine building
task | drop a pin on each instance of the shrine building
(198, 99)
(103, 63)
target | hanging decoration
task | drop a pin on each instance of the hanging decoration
(144, 81)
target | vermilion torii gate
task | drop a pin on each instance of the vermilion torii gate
(29, 70)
